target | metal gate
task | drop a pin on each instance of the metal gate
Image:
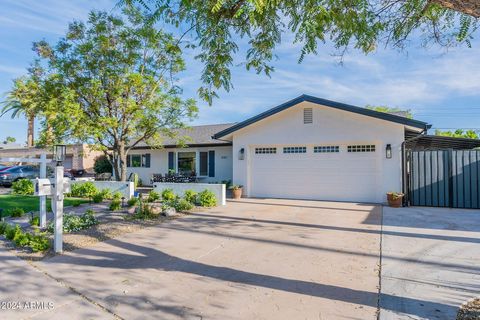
(444, 178)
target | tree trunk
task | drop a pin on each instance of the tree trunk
(115, 165)
(30, 130)
(469, 7)
(122, 161)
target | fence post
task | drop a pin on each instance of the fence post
(450, 177)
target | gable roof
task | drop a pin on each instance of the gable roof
(327, 103)
(195, 136)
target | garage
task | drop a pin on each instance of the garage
(316, 172)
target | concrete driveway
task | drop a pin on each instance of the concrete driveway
(430, 262)
(252, 259)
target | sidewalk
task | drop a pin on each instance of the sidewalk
(26, 293)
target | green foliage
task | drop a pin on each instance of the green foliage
(117, 195)
(11, 232)
(37, 242)
(168, 195)
(23, 187)
(182, 205)
(73, 223)
(16, 212)
(207, 198)
(9, 139)
(102, 165)
(191, 196)
(235, 187)
(459, 133)
(115, 205)
(106, 194)
(153, 196)
(83, 190)
(35, 221)
(394, 110)
(227, 183)
(3, 226)
(218, 27)
(132, 201)
(97, 198)
(130, 95)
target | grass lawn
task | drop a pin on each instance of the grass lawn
(32, 203)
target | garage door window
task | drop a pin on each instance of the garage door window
(326, 149)
(265, 150)
(361, 148)
(295, 150)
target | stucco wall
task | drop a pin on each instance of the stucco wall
(159, 163)
(330, 127)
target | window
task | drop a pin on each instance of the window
(265, 150)
(307, 115)
(326, 149)
(294, 149)
(203, 163)
(361, 148)
(138, 160)
(186, 163)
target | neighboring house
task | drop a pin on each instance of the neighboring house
(311, 148)
(78, 157)
(209, 159)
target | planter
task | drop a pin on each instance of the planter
(237, 193)
(395, 200)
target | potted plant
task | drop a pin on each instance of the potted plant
(236, 191)
(395, 199)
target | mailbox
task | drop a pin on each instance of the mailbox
(43, 187)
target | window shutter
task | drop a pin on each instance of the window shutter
(128, 160)
(147, 160)
(211, 163)
(171, 161)
(203, 163)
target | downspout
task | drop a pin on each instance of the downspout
(406, 198)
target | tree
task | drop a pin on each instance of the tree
(115, 80)
(102, 165)
(459, 133)
(9, 139)
(22, 100)
(216, 26)
(395, 110)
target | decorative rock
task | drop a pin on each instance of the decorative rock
(170, 212)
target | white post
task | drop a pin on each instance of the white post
(43, 199)
(58, 236)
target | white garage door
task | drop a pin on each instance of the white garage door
(319, 173)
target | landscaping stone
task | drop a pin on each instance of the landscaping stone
(469, 310)
(170, 212)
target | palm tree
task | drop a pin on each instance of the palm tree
(21, 100)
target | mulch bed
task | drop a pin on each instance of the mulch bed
(469, 310)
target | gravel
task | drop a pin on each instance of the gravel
(469, 310)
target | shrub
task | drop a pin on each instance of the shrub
(16, 212)
(115, 205)
(106, 193)
(102, 165)
(182, 205)
(10, 231)
(35, 221)
(23, 187)
(97, 198)
(133, 201)
(3, 226)
(21, 239)
(207, 198)
(83, 190)
(39, 242)
(117, 196)
(153, 196)
(191, 196)
(72, 223)
(168, 195)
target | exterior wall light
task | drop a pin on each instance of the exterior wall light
(59, 153)
(388, 151)
(241, 154)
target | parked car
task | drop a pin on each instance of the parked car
(10, 175)
(3, 167)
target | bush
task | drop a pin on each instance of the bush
(72, 223)
(23, 187)
(10, 231)
(182, 205)
(115, 205)
(102, 165)
(83, 190)
(3, 226)
(168, 195)
(97, 198)
(153, 196)
(106, 193)
(21, 239)
(35, 221)
(207, 198)
(16, 212)
(191, 196)
(132, 201)
(117, 196)
(37, 242)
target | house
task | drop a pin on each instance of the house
(306, 148)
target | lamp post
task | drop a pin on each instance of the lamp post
(59, 156)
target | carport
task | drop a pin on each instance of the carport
(442, 172)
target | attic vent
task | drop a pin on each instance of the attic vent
(307, 115)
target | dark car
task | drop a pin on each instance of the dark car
(10, 175)
(3, 167)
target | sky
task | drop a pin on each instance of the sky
(440, 87)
